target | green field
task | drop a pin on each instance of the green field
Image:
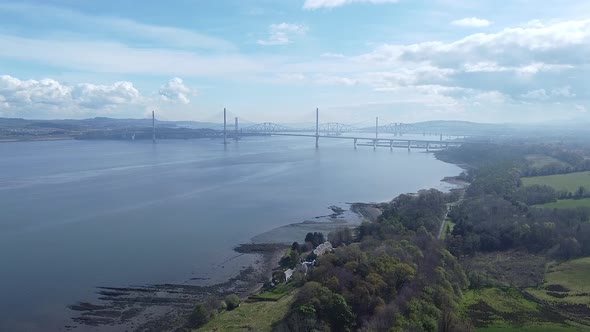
(573, 279)
(507, 309)
(569, 182)
(532, 328)
(539, 161)
(251, 316)
(574, 274)
(567, 204)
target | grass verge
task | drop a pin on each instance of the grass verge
(251, 316)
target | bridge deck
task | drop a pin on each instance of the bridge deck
(377, 139)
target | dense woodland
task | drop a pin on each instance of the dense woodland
(396, 275)
(496, 213)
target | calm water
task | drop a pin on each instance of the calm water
(79, 214)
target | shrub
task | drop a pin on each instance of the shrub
(222, 305)
(232, 301)
(200, 316)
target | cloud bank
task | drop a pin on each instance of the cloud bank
(283, 34)
(317, 4)
(21, 96)
(472, 22)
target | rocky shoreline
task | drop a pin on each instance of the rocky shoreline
(164, 307)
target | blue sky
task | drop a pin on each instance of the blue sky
(267, 60)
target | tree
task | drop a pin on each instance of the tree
(580, 192)
(315, 238)
(340, 237)
(232, 301)
(569, 248)
(200, 316)
(340, 313)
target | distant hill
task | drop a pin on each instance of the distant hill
(450, 127)
(101, 123)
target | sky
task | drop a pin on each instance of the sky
(277, 61)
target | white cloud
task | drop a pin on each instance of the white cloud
(406, 76)
(333, 55)
(472, 22)
(317, 4)
(528, 69)
(29, 92)
(539, 94)
(566, 42)
(487, 97)
(3, 103)
(542, 94)
(283, 33)
(105, 96)
(292, 77)
(335, 80)
(175, 90)
(565, 92)
(47, 94)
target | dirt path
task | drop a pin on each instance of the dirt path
(444, 222)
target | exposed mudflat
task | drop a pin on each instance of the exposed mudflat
(164, 307)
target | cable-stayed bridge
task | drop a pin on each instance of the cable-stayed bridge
(356, 133)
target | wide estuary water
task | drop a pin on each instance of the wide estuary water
(75, 215)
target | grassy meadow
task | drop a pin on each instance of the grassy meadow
(250, 316)
(567, 283)
(561, 303)
(567, 204)
(540, 161)
(568, 182)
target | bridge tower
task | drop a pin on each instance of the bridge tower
(236, 138)
(377, 127)
(317, 127)
(224, 126)
(153, 127)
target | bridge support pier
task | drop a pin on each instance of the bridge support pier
(374, 144)
(409, 145)
(447, 146)
(391, 145)
(427, 146)
(355, 143)
(237, 137)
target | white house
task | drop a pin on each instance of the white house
(323, 248)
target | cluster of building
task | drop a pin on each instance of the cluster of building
(29, 132)
(304, 265)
